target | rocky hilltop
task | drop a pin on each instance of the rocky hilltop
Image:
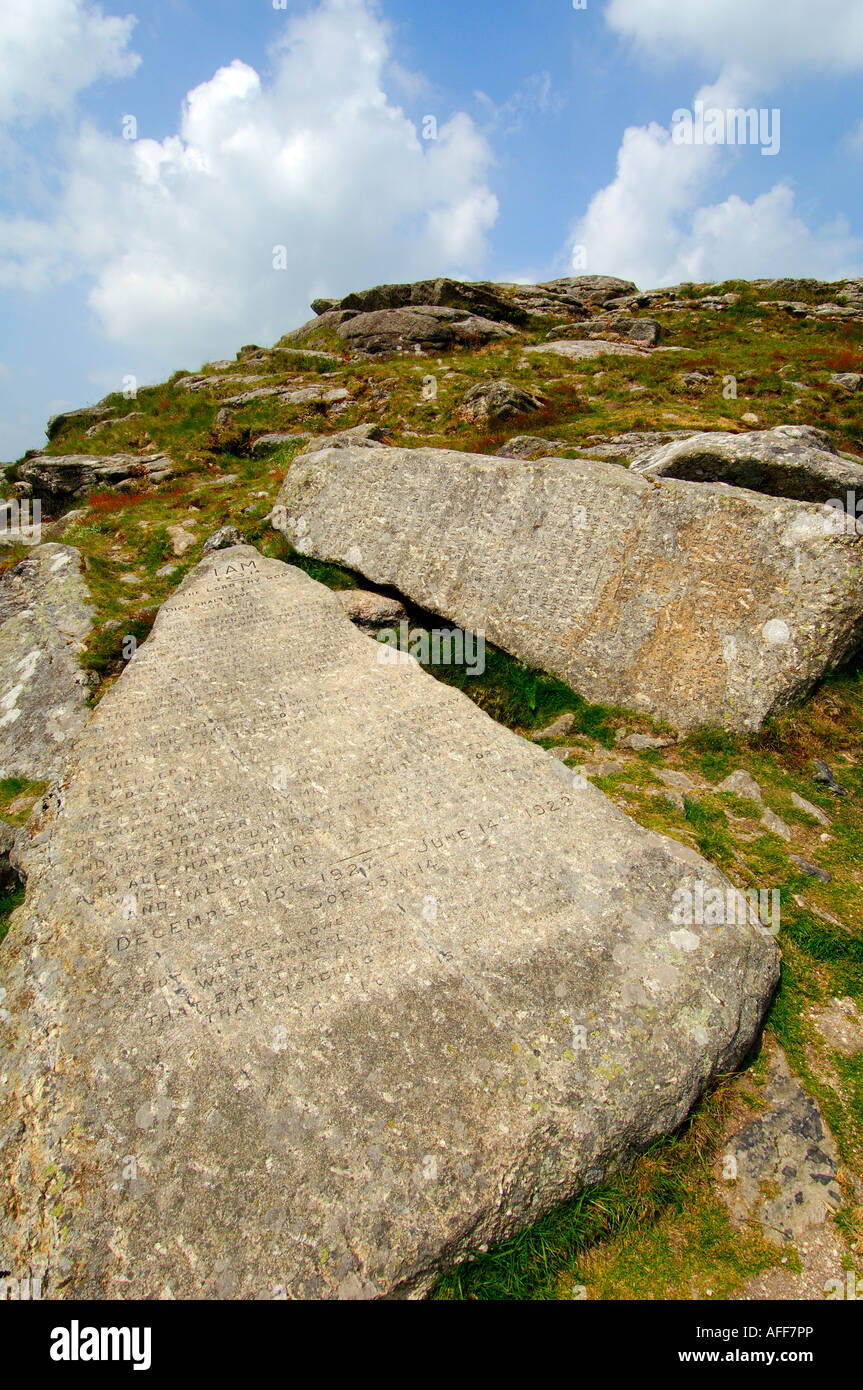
(422, 741)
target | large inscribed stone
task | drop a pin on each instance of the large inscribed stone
(324, 979)
(693, 602)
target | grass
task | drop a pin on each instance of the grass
(520, 696)
(14, 788)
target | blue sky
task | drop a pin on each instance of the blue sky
(303, 127)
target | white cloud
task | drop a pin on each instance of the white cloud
(767, 37)
(178, 236)
(52, 49)
(651, 224)
(654, 225)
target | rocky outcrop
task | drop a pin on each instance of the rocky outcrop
(300, 395)
(279, 1056)
(61, 480)
(587, 349)
(45, 615)
(494, 401)
(700, 604)
(85, 415)
(429, 330)
(589, 289)
(789, 461)
(481, 299)
(644, 332)
(469, 309)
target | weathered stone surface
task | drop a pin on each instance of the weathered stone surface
(307, 1015)
(811, 870)
(591, 347)
(640, 743)
(308, 332)
(60, 481)
(647, 332)
(494, 401)
(789, 461)
(694, 603)
(112, 421)
(471, 309)
(45, 615)
(786, 1162)
(840, 1024)
(824, 775)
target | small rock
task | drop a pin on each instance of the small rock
(645, 331)
(181, 539)
(814, 811)
(695, 381)
(361, 436)
(678, 780)
(559, 728)
(775, 824)
(371, 610)
(222, 539)
(750, 418)
(849, 381)
(266, 443)
(826, 778)
(741, 784)
(602, 769)
(498, 400)
(812, 870)
(640, 743)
